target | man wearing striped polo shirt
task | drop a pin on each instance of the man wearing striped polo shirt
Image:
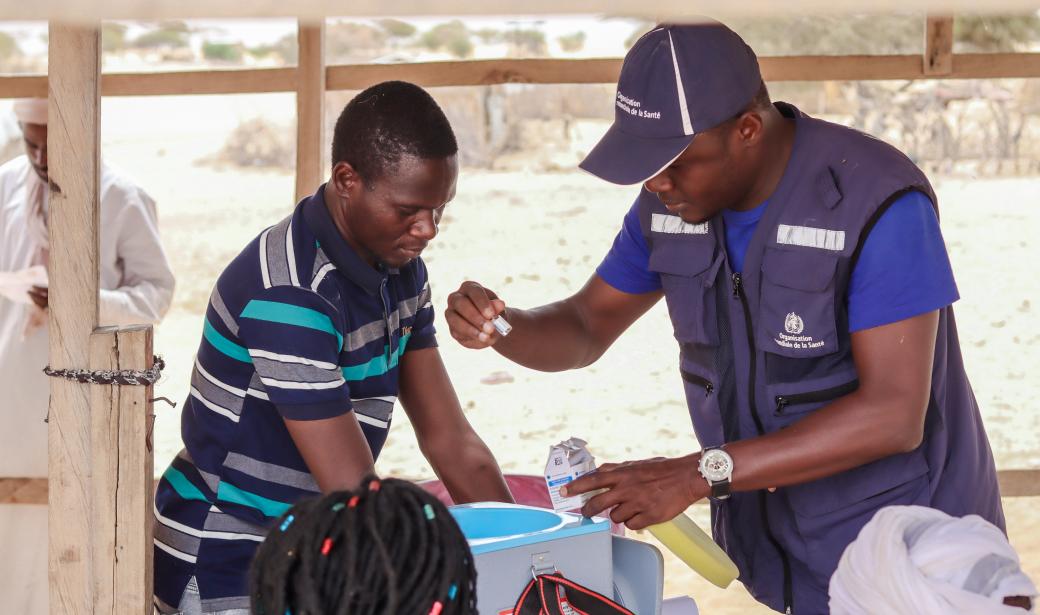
(312, 333)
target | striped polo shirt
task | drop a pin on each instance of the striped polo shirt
(298, 327)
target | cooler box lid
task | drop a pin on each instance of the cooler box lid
(494, 526)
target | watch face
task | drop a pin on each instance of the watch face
(716, 465)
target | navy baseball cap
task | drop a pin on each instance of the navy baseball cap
(676, 81)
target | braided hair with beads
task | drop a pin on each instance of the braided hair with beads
(388, 548)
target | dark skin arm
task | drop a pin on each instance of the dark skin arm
(338, 455)
(568, 334)
(459, 457)
(39, 296)
(335, 451)
(885, 416)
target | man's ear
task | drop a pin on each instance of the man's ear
(750, 127)
(345, 179)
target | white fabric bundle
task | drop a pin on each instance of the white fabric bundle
(912, 560)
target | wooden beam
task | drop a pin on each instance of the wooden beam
(786, 68)
(669, 10)
(18, 490)
(477, 72)
(310, 108)
(1019, 483)
(1013, 484)
(23, 490)
(995, 66)
(840, 68)
(122, 475)
(938, 46)
(72, 145)
(247, 81)
(23, 86)
(546, 71)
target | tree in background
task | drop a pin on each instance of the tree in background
(872, 34)
(526, 42)
(452, 37)
(489, 35)
(14, 59)
(230, 53)
(8, 47)
(995, 34)
(113, 36)
(167, 35)
(832, 34)
(638, 29)
(573, 42)
(285, 49)
(348, 42)
(397, 28)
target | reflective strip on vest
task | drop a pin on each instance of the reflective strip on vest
(810, 237)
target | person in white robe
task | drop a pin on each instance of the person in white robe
(136, 288)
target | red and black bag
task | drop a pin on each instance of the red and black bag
(552, 594)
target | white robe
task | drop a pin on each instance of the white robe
(136, 288)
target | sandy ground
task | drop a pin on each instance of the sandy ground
(534, 238)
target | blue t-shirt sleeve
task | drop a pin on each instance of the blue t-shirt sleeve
(903, 269)
(626, 265)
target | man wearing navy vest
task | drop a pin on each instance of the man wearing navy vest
(810, 293)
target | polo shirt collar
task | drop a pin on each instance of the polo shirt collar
(342, 255)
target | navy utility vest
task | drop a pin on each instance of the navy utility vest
(763, 349)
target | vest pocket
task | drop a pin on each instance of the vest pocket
(829, 512)
(800, 399)
(702, 399)
(797, 315)
(858, 485)
(688, 267)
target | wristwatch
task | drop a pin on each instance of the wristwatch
(716, 467)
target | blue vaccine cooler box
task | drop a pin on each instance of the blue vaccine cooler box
(512, 543)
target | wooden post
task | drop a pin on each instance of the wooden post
(122, 474)
(100, 459)
(938, 46)
(72, 146)
(310, 108)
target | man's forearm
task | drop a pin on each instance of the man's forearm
(848, 433)
(550, 338)
(470, 473)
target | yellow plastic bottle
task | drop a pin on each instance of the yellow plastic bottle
(696, 549)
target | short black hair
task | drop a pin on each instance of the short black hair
(386, 122)
(761, 99)
(758, 102)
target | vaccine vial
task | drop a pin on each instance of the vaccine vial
(501, 325)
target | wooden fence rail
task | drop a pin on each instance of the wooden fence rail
(543, 71)
(1013, 484)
